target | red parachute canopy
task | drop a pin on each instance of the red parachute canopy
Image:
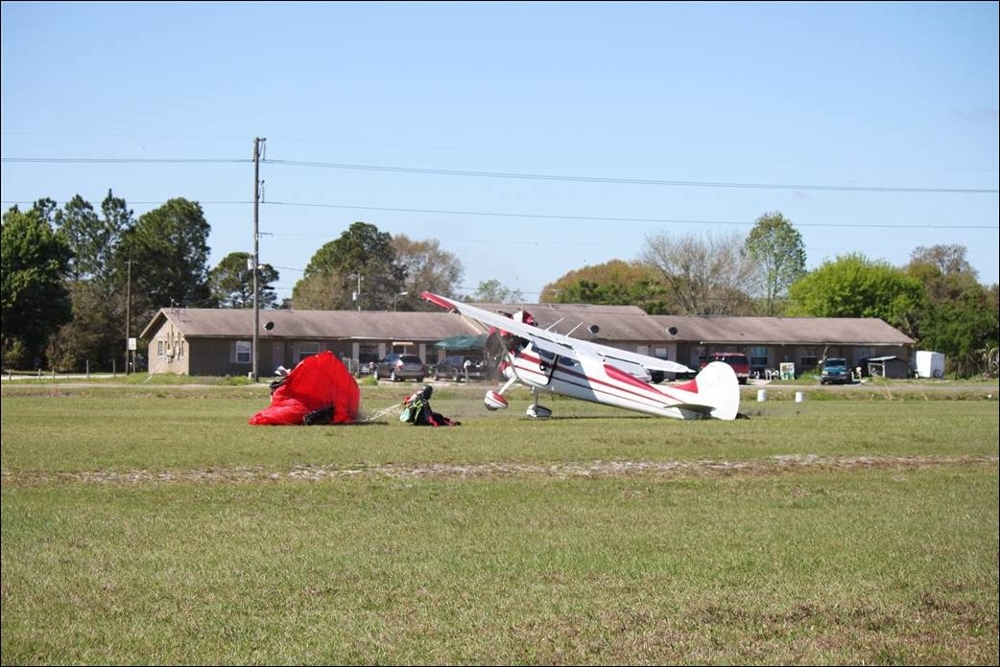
(318, 382)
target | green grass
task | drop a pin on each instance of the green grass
(154, 525)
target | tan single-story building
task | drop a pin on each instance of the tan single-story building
(219, 341)
(769, 342)
(203, 341)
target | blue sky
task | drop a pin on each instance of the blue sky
(530, 138)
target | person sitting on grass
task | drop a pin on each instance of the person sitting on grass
(417, 410)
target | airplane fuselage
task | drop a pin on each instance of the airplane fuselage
(545, 360)
(596, 381)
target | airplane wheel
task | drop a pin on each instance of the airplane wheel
(495, 401)
(538, 412)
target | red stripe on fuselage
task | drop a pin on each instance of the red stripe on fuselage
(529, 365)
(690, 385)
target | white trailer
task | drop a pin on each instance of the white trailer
(930, 364)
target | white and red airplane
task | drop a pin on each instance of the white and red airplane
(544, 360)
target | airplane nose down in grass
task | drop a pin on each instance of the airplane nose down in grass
(544, 360)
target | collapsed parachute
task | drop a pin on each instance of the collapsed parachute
(319, 390)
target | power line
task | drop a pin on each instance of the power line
(313, 141)
(27, 202)
(124, 160)
(629, 181)
(543, 216)
(512, 175)
(537, 216)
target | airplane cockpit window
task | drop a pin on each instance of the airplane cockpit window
(515, 343)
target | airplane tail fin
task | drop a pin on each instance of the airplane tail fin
(718, 389)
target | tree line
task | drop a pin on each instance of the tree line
(936, 299)
(77, 281)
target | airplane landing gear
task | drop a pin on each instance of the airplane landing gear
(494, 399)
(536, 411)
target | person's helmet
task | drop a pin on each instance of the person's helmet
(426, 393)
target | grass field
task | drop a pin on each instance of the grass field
(150, 523)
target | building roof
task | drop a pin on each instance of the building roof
(721, 330)
(312, 324)
(632, 323)
(615, 323)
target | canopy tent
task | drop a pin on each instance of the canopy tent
(462, 342)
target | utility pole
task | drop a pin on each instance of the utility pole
(357, 295)
(396, 296)
(128, 317)
(257, 145)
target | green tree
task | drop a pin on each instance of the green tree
(493, 291)
(962, 329)
(95, 337)
(427, 268)
(83, 231)
(361, 257)
(118, 220)
(777, 246)
(613, 283)
(231, 282)
(323, 289)
(959, 315)
(855, 286)
(34, 260)
(168, 248)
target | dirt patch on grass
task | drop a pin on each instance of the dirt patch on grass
(500, 470)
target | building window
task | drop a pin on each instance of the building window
(758, 356)
(367, 352)
(307, 350)
(808, 362)
(243, 351)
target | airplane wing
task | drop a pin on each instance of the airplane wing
(646, 361)
(548, 341)
(553, 342)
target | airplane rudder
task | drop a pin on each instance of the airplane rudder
(718, 383)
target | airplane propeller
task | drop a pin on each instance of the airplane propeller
(494, 355)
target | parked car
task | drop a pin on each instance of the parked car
(398, 367)
(835, 371)
(458, 367)
(737, 360)
(366, 368)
